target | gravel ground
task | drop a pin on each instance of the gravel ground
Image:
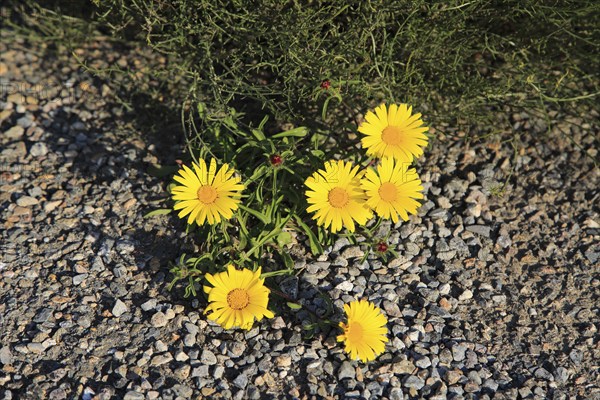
(495, 295)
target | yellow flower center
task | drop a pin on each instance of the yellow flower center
(238, 299)
(338, 197)
(354, 332)
(388, 192)
(392, 136)
(207, 194)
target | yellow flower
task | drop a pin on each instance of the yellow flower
(392, 190)
(336, 197)
(393, 133)
(205, 194)
(237, 298)
(365, 334)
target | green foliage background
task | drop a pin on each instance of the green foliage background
(458, 62)
(455, 60)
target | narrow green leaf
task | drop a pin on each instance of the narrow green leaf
(262, 217)
(160, 211)
(294, 306)
(258, 134)
(296, 132)
(315, 245)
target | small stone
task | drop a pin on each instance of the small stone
(453, 376)
(414, 382)
(466, 295)
(403, 367)
(14, 133)
(161, 359)
(149, 305)
(543, 373)
(159, 320)
(352, 252)
(576, 356)
(77, 279)
(27, 201)
(444, 203)
(189, 340)
(396, 394)
(480, 230)
(38, 149)
(36, 348)
(345, 286)
(458, 351)
(491, 384)
(446, 255)
(119, 308)
(183, 372)
(43, 315)
(208, 357)
(5, 355)
(241, 381)
(423, 362)
(346, 371)
(183, 391)
(283, 361)
(561, 374)
(133, 395)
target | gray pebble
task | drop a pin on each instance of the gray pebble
(208, 357)
(423, 362)
(466, 295)
(183, 391)
(396, 394)
(133, 395)
(159, 320)
(576, 356)
(77, 279)
(561, 374)
(27, 201)
(14, 133)
(149, 305)
(39, 149)
(458, 351)
(43, 315)
(161, 359)
(480, 230)
(543, 374)
(119, 308)
(413, 381)
(346, 371)
(241, 381)
(491, 384)
(5, 355)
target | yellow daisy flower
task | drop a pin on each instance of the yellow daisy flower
(392, 189)
(237, 298)
(205, 194)
(393, 133)
(336, 197)
(365, 334)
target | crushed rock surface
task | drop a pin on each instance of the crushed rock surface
(494, 294)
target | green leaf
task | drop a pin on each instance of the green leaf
(262, 217)
(318, 153)
(284, 238)
(160, 211)
(315, 244)
(294, 306)
(258, 134)
(160, 171)
(296, 132)
(287, 260)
